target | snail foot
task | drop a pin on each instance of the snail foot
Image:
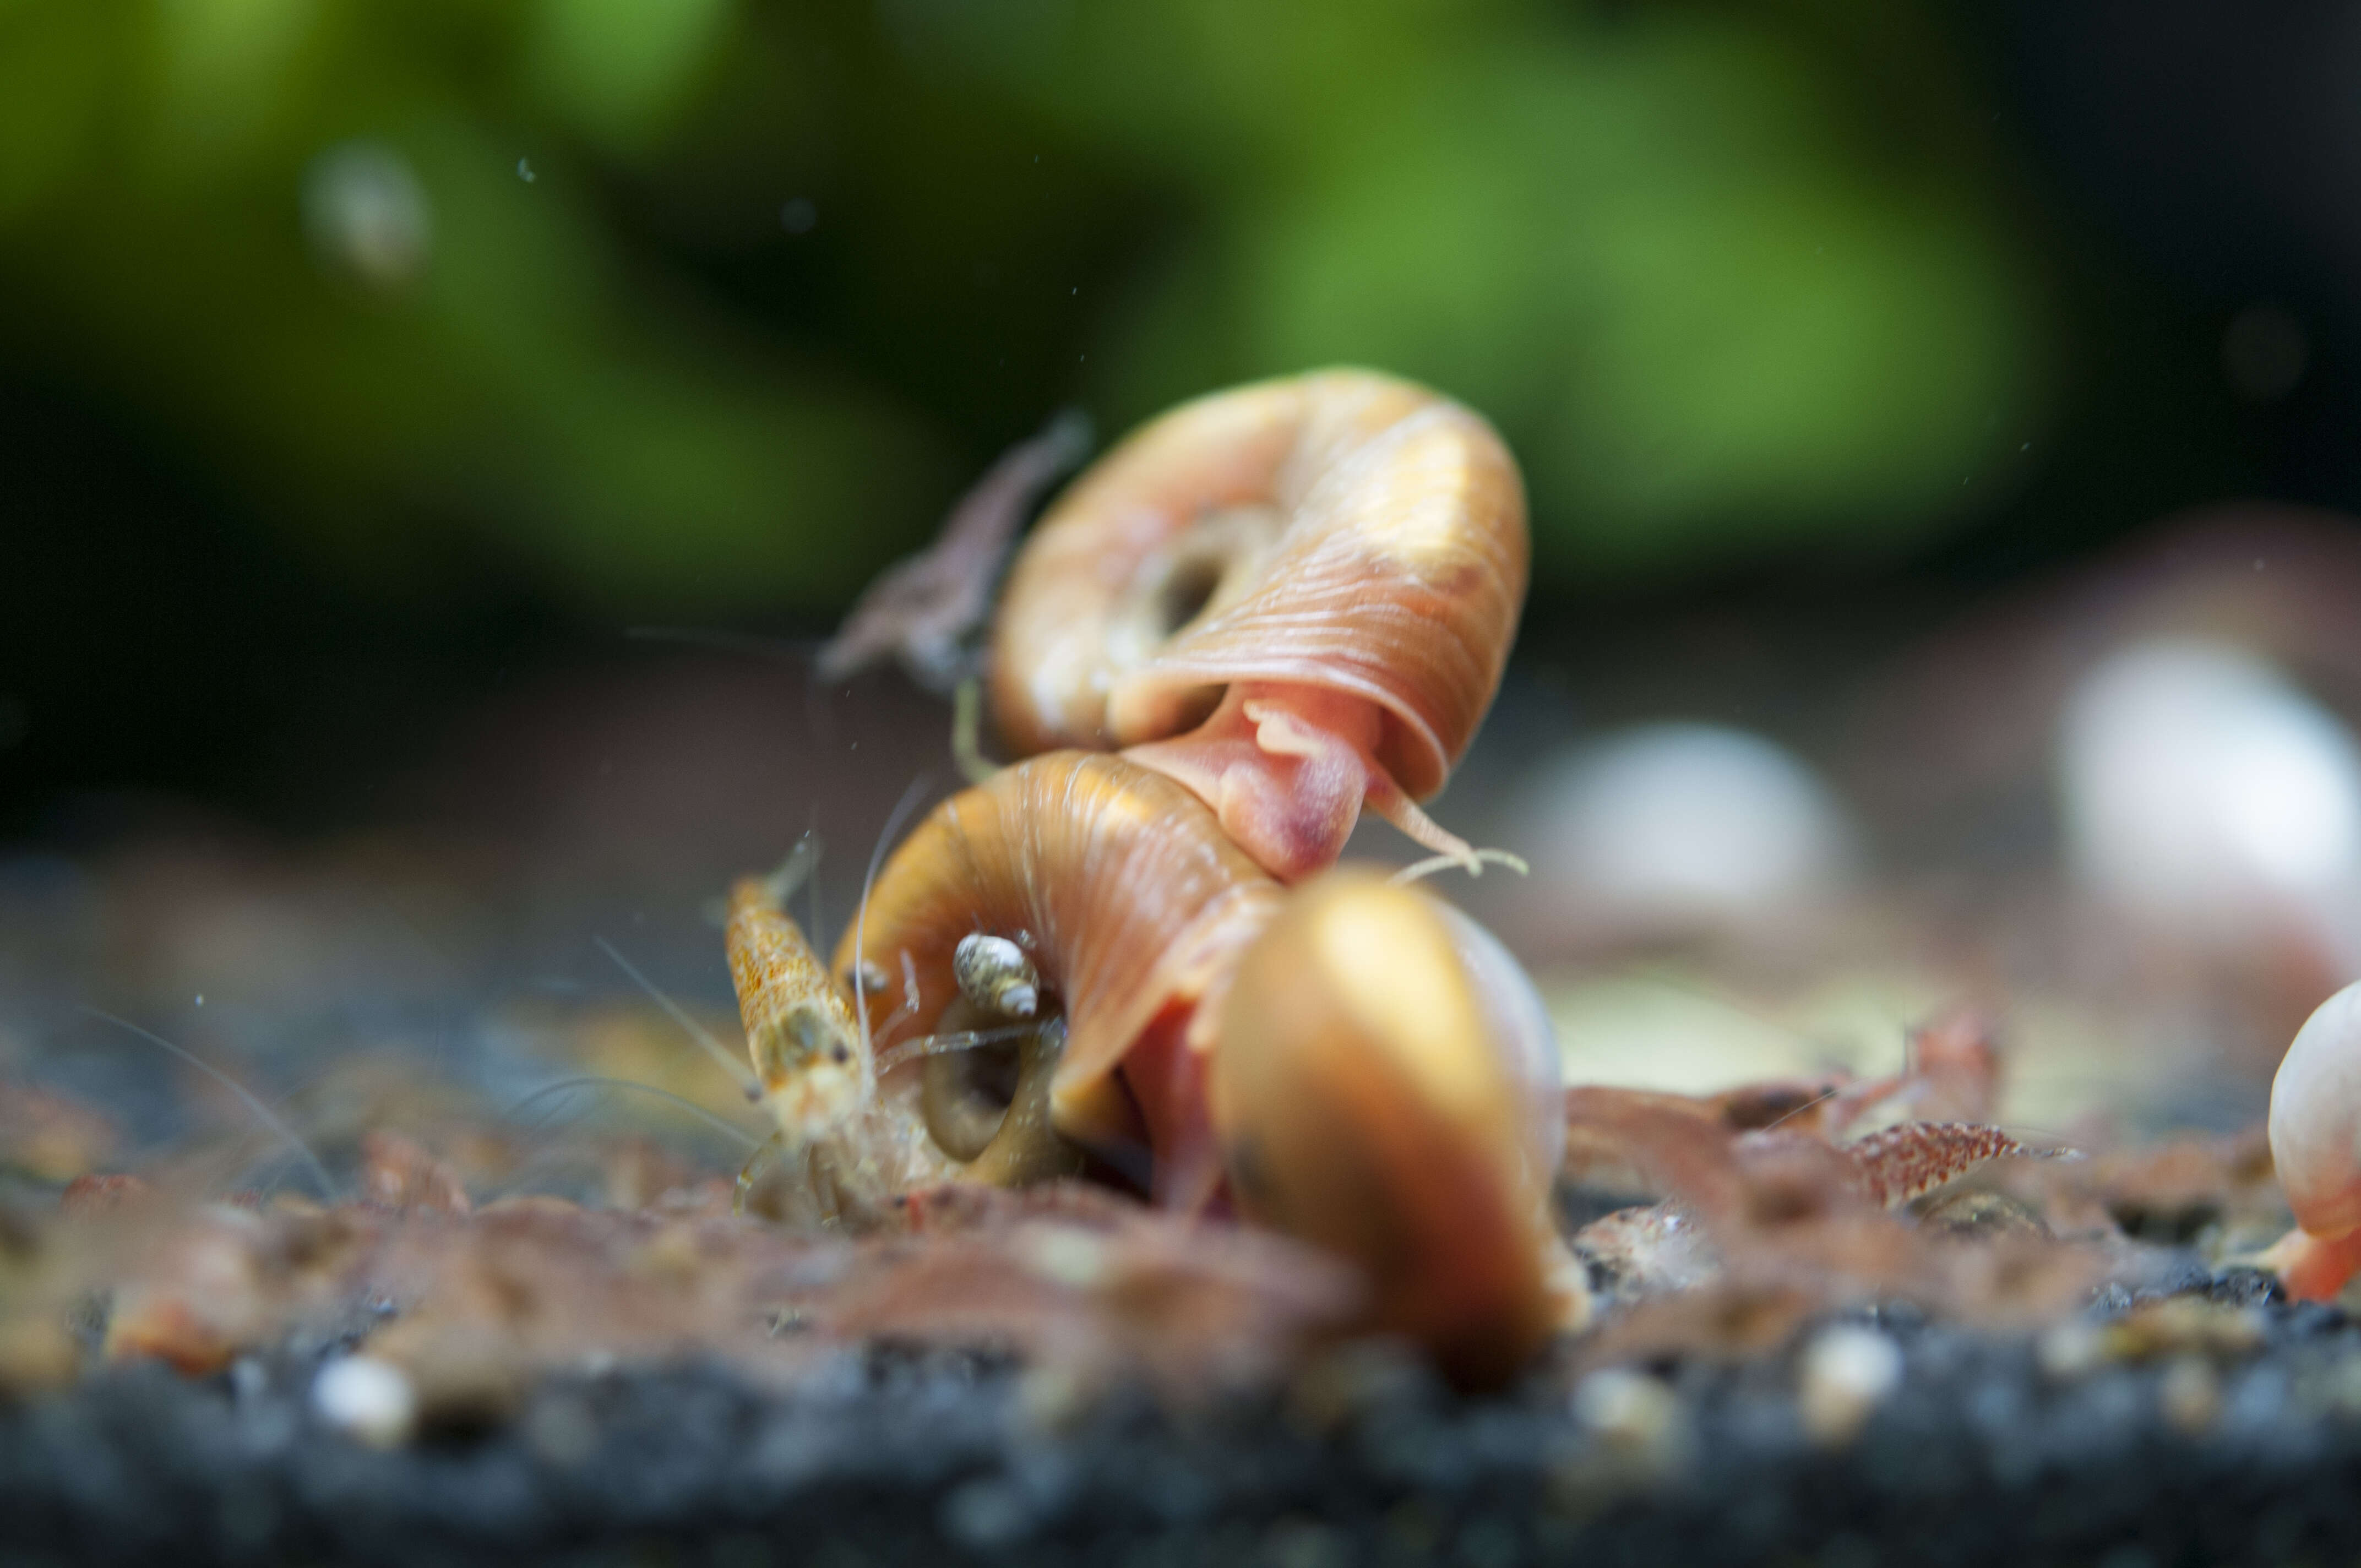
(1288, 770)
(2313, 1268)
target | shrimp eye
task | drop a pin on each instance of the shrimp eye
(839, 1054)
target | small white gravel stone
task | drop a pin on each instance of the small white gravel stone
(370, 1400)
(1627, 1411)
(2190, 1393)
(1846, 1373)
(2068, 1351)
(1641, 1432)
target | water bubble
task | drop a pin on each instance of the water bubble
(799, 216)
(368, 216)
(524, 171)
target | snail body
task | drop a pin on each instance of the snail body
(1350, 1062)
(1295, 597)
(1133, 905)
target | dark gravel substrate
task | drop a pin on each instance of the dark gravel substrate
(1982, 1456)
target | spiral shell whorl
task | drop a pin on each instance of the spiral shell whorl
(1397, 575)
(1118, 881)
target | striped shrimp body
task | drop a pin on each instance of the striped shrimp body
(968, 1103)
(852, 1143)
(1295, 597)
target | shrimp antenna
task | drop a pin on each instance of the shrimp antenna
(901, 809)
(262, 1112)
(944, 1045)
(697, 1031)
(1822, 1098)
(799, 867)
(811, 878)
(588, 1080)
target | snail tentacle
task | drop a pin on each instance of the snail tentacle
(1473, 864)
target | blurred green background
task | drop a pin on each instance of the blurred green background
(349, 351)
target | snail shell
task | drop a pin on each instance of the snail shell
(2315, 1131)
(1129, 901)
(1316, 580)
(994, 973)
(1367, 1068)
(2315, 1124)
(1386, 1087)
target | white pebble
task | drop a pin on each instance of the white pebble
(2204, 792)
(1628, 1410)
(2070, 1350)
(1641, 1432)
(1846, 1373)
(368, 1399)
(1670, 828)
(2190, 1394)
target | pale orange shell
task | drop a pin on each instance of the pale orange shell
(2316, 1120)
(1369, 1099)
(1398, 576)
(1120, 882)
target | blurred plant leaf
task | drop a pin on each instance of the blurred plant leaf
(621, 69)
(1732, 279)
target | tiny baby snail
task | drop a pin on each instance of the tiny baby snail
(1357, 1063)
(1296, 598)
(2315, 1131)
